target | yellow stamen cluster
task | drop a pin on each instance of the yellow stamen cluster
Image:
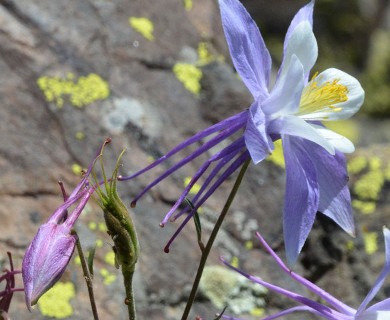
(324, 97)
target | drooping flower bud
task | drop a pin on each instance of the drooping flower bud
(51, 249)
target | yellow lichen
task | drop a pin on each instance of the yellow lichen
(370, 242)
(249, 245)
(79, 135)
(187, 4)
(81, 93)
(277, 156)
(189, 75)
(195, 188)
(365, 207)
(257, 312)
(143, 25)
(368, 187)
(375, 163)
(55, 302)
(99, 243)
(102, 227)
(357, 165)
(109, 258)
(235, 262)
(387, 173)
(92, 225)
(349, 245)
(77, 169)
(107, 276)
(204, 55)
(77, 260)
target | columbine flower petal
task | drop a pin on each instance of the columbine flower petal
(303, 44)
(338, 141)
(331, 95)
(294, 126)
(301, 199)
(335, 199)
(257, 140)
(247, 48)
(304, 14)
(382, 276)
(286, 94)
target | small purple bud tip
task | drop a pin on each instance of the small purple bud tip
(162, 225)
(133, 204)
(108, 140)
(166, 249)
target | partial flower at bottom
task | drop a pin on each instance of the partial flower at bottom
(331, 308)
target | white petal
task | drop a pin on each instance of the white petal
(303, 44)
(339, 110)
(338, 141)
(294, 126)
(286, 94)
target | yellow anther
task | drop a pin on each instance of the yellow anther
(322, 97)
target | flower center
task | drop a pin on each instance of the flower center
(322, 97)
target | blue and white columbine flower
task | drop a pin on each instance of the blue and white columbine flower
(292, 110)
(334, 309)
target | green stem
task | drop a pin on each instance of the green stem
(207, 249)
(129, 301)
(87, 276)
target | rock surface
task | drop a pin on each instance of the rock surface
(73, 73)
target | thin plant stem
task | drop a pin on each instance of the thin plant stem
(130, 302)
(87, 276)
(213, 235)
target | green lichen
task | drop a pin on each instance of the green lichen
(79, 93)
(55, 303)
(92, 225)
(144, 26)
(370, 242)
(187, 4)
(277, 156)
(189, 75)
(227, 288)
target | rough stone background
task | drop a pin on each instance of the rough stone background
(149, 111)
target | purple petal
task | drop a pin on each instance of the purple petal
(382, 276)
(335, 199)
(337, 304)
(222, 125)
(323, 310)
(257, 140)
(383, 305)
(301, 199)
(231, 150)
(202, 149)
(247, 48)
(45, 260)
